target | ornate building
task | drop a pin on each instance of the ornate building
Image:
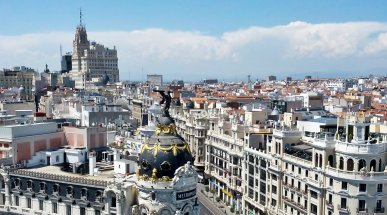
(164, 183)
(91, 61)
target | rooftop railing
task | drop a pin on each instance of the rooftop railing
(58, 177)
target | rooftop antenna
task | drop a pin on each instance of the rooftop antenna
(80, 16)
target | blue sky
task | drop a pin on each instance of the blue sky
(204, 39)
(212, 17)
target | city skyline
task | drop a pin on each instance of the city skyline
(205, 40)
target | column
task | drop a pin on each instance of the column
(107, 204)
(118, 203)
(7, 192)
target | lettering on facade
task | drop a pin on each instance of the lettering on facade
(186, 194)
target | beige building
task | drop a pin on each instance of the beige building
(18, 77)
(91, 61)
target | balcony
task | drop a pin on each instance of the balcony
(361, 211)
(355, 175)
(343, 209)
(361, 148)
(286, 133)
(320, 140)
(330, 205)
(295, 205)
(378, 211)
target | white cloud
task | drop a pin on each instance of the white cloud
(296, 47)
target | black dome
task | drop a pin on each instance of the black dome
(164, 152)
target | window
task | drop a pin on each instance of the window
(40, 204)
(97, 212)
(313, 194)
(343, 203)
(29, 185)
(17, 200)
(306, 173)
(55, 207)
(313, 208)
(316, 177)
(42, 186)
(331, 182)
(379, 207)
(68, 209)
(28, 202)
(379, 188)
(299, 170)
(344, 185)
(330, 198)
(84, 193)
(362, 205)
(273, 202)
(362, 187)
(274, 189)
(292, 168)
(82, 211)
(69, 191)
(113, 202)
(55, 188)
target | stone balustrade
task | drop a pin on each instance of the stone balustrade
(58, 177)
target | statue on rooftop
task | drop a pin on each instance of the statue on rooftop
(166, 98)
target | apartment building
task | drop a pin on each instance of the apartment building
(193, 126)
(19, 77)
(224, 158)
(325, 166)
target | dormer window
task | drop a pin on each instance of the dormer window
(84, 193)
(42, 187)
(56, 188)
(165, 166)
(29, 185)
(145, 164)
(98, 197)
(69, 191)
(17, 183)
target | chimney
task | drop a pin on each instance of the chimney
(92, 162)
(116, 154)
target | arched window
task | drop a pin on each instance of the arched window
(373, 165)
(362, 164)
(320, 161)
(330, 160)
(350, 164)
(341, 164)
